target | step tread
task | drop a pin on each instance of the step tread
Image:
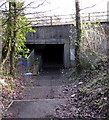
(40, 108)
(43, 92)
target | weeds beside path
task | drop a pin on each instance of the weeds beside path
(69, 95)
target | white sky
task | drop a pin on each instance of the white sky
(62, 7)
(68, 6)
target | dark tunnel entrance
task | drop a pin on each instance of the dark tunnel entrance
(52, 55)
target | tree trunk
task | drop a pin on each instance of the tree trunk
(78, 37)
(12, 61)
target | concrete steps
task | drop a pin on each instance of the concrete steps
(41, 108)
(40, 100)
(53, 82)
(45, 92)
(37, 102)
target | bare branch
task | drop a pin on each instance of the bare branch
(41, 4)
(41, 11)
(27, 5)
(6, 21)
(23, 7)
(18, 13)
(88, 7)
(91, 6)
(3, 4)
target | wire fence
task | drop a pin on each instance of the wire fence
(69, 19)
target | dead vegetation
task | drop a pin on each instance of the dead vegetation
(89, 94)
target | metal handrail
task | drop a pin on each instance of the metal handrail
(68, 19)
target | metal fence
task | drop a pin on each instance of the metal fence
(52, 20)
(69, 19)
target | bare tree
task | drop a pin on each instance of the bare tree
(78, 37)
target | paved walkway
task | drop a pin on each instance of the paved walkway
(42, 99)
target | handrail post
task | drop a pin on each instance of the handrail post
(107, 16)
(88, 16)
(51, 20)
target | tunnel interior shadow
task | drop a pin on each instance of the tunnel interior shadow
(52, 55)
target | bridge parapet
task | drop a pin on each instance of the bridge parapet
(57, 34)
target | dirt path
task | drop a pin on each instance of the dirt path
(48, 85)
(42, 97)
